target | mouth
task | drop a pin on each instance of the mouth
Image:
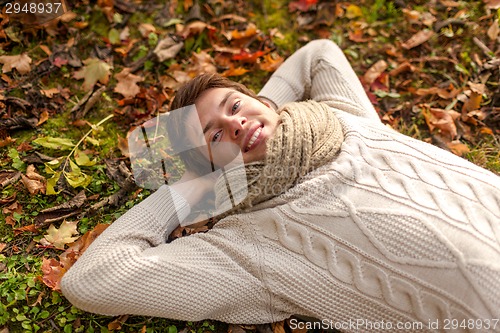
(254, 138)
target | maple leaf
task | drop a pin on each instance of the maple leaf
(52, 273)
(127, 83)
(21, 62)
(60, 237)
(93, 71)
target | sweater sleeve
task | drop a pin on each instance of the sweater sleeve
(130, 269)
(319, 71)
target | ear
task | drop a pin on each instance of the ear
(267, 102)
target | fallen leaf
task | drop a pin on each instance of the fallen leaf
(494, 30)
(83, 159)
(62, 211)
(117, 323)
(28, 228)
(419, 38)
(301, 5)
(375, 71)
(93, 71)
(146, 28)
(235, 71)
(32, 174)
(52, 273)
(442, 119)
(33, 186)
(49, 92)
(492, 4)
(457, 147)
(127, 83)
(2, 246)
(251, 30)
(20, 62)
(44, 116)
(271, 63)
(6, 141)
(62, 236)
(246, 56)
(167, 48)
(193, 28)
(353, 11)
(55, 143)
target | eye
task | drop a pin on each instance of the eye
(235, 107)
(216, 136)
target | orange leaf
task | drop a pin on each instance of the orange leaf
(250, 31)
(301, 5)
(50, 92)
(28, 228)
(52, 273)
(473, 102)
(235, 71)
(245, 56)
(44, 116)
(417, 39)
(271, 64)
(457, 147)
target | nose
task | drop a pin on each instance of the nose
(235, 126)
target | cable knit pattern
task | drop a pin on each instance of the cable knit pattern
(393, 230)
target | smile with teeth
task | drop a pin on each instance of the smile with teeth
(253, 138)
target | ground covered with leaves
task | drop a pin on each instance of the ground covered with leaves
(71, 90)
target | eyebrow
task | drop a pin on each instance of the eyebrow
(221, 104)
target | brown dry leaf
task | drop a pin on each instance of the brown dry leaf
(271, 63)
(473, 102)
(235, 329)
(127, 83)
(492, 4)
(419, 38)
(62, 211)
(2, 246)
(403, 67)
(478, 88)
(21, 62)
(6, 141)
(14, 207)
(193, 28)
(201, 63)
(93, 71)
(44, 116)
(27, 228)
(146, 28)
(62, 236)
(457, 147)
(442, 119)
(32, 174)
(374, 71)
(33, 186)
(52, 273)
(117, 323)
(494, 30)
(167, 48)
(123, 145)
(441, 92)
(9, 220)
(49, 92)
(449, 3)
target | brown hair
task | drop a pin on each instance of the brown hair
(187, 95)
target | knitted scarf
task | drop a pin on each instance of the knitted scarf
(308, 136)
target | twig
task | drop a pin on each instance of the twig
(486, 50)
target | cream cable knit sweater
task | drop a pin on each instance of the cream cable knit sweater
(393, 230)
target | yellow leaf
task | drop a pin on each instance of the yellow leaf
(82, 159)
(353, 11)
(51, 183)
(62, 236)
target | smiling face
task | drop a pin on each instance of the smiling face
(231, 118)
